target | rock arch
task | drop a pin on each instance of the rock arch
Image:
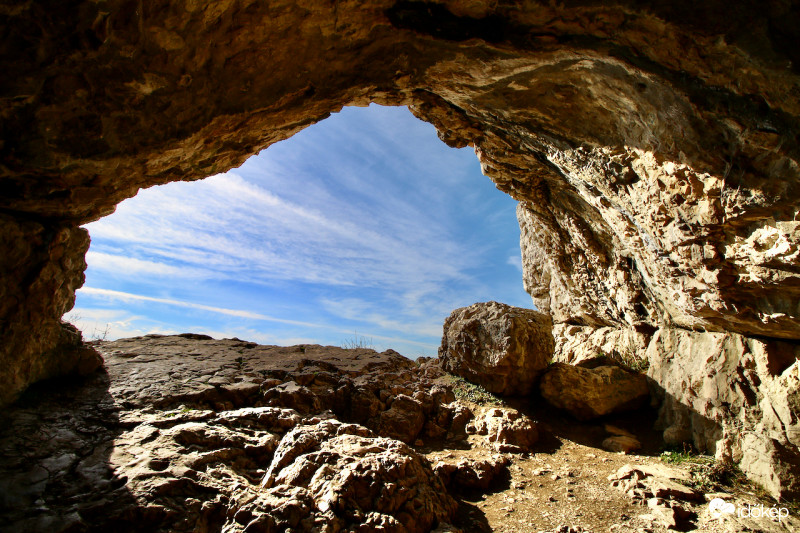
(653, 147)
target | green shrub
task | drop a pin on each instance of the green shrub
(472, 392)
(708, 474)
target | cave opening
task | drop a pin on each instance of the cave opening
(363, 226)
(655, 161)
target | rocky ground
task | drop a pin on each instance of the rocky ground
(187, 433)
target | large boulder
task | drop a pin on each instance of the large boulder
(503, 348)
(593, 392)
(351, 479)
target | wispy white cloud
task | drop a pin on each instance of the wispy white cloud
(126, 296)
(374, 314)
(268, 237)
(371, 212)
(117, 324)
(112, 324)
(132, 266)
(515, 261)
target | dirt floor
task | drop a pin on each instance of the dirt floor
(564, 484)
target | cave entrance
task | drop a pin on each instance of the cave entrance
(362, 227)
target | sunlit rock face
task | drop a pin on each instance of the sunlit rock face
(735, 396)
(652, 145)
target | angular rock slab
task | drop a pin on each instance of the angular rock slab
(503, 348)
(654, 481)
(591, 393)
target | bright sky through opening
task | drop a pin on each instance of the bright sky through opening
(364, 224)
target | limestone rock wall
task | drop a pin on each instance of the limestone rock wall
(42, 267)
(669, 246)
(653, 146)
(735, 396)
(578, 344)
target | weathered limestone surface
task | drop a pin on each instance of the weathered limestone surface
(355, 481)
(182, 434)
(653, 146)
(503, 348)
(507, 429)
(578, 344)
(593, 392)
(41, 267)
(726, 393)
(734, 396)
(471, 474)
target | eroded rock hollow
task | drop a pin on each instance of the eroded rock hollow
(652, 146)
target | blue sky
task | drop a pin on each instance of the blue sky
(364, 224)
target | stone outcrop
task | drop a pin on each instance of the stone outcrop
(355, 481)
(621, 444)
(735, 396)
(186, 433)
(469, 474)
(644, 482)
(41, 267)
(503, 348)
(576, 345)
(653, 146)
(588, 393)
(621, 440)
(727, 394)
(177, 436)
(385, 392)
(507, 430)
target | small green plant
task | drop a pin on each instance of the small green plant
(181, 410)
(639, 365)
(680, 455)
(708, 474)
(358, 342)
(472, 392)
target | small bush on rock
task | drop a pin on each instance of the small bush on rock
(472, 392)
